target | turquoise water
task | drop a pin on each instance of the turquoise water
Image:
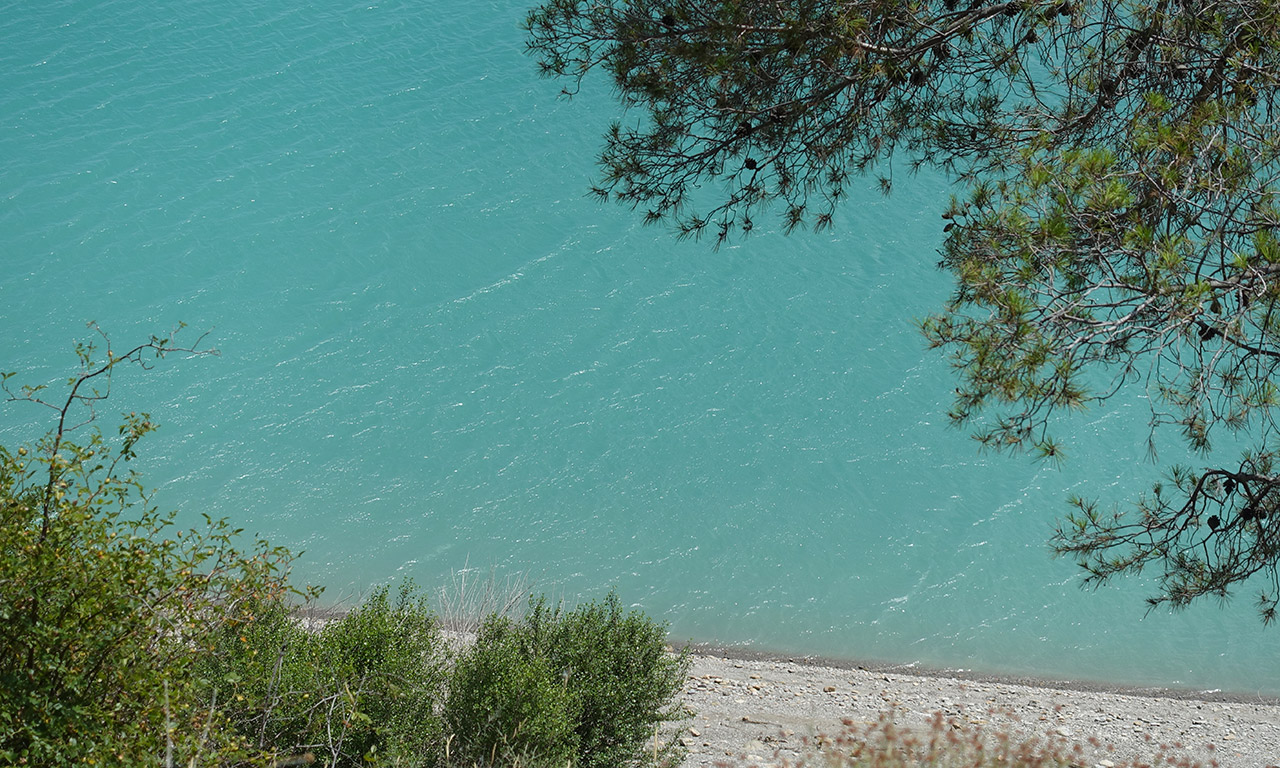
(437, 353)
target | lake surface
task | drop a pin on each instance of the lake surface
(438, 353)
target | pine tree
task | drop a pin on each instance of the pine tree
(1114, 224)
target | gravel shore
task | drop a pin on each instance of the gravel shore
(761, 711)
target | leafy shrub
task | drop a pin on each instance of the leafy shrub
(607, 671)
(506, 704)
(622, 679)
(104, 606)
(124, 640)
(361, 689)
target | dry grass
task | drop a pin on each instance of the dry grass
(471, 595)
(949, 743)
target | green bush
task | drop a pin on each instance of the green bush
(604, 670)
(621, 677)
(104, 605)
(507, 706)
(126, 641)
(361, 689)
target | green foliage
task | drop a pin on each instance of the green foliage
(1115, 225)
(594, 682)
(507, 705)
(619, 673)
(360, 689)
(124, 640)
(786, 103)
(105, 606)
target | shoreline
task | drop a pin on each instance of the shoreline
(322, 614)
(757, 709)
(744, 653)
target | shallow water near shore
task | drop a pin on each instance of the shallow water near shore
(437, 353)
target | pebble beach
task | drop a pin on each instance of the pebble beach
(759, 711)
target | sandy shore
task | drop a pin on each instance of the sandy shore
(761, 711)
